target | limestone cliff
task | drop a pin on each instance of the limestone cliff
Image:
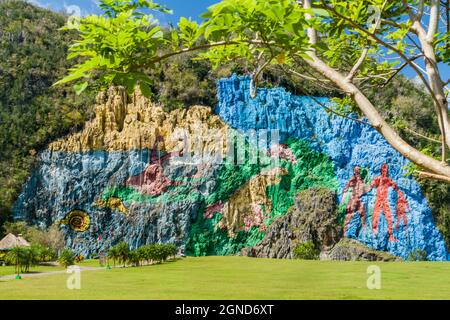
(123, 123)
(200, 179)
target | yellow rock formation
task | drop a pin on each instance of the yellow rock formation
(245, 203)
(124, 123)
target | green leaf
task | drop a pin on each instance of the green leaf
(145, 89)
(80, 87)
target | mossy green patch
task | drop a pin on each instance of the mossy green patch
(312, 169)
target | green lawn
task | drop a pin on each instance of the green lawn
(243, 278)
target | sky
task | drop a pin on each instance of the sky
(186, 8)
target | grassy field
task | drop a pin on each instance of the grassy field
(242, 278)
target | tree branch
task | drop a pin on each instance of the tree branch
(400, 69)
(434, 20)
(358, 64)
(429, 175)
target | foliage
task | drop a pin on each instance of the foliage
(306, 251)
(66, 258)
(51, 238)
(44, 254)
(16, 228)
(243, 278)
(129, 40)
(120, 253)
(32, 57)
(355, 38)
(23, 258)
(32, 113)
(418, 255)
(146, 254)
(117, 46)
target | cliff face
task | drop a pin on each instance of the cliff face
(213, 184)
(371, 176)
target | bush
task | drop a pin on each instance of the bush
(23, 258)
(418, 255)
(134, 257)
(306, 251)
(67, 258)
(119, 252)
(148, 253)
(45, 254)
(170, 249)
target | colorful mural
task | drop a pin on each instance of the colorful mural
(136, 177)
(382, 184)
(77, 220)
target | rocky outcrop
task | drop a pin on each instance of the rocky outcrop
(97, 171)
(312, 218)
(135, 123)
(352, 250)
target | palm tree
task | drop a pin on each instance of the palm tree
(113, 254)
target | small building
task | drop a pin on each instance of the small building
(11, 241)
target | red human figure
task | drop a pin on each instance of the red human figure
(382, 183)
(355, 204)
(402, 207)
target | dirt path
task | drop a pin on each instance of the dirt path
(48, 273)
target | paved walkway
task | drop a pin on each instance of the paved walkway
(48, 273)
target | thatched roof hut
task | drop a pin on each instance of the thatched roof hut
(11, 241)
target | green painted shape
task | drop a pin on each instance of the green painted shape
(313, 169)
(130, 194)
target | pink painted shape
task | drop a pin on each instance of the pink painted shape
(283, 152)
(216, 207)
(257, 219)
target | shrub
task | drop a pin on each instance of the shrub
(418, 255)
(119, 252)
(51, 238)
(170, 250)
(306, 251)
(67, 258)
(134, 257)
(23, 258)
(44, 254)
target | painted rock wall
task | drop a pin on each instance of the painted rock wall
(214, 183)
(389, 198)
